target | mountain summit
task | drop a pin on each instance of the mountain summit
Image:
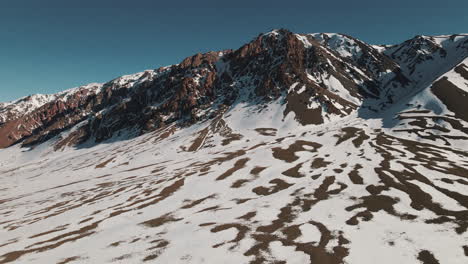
(294, 148)
(316, 78)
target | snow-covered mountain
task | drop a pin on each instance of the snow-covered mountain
(23, 106)
(294, 148)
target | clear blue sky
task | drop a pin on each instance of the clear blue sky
(50, 45)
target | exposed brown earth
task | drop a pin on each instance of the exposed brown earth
(427, 257)
(278, 185)
(354, 175)
(288, 154)
(103, 164)
(160, 221)
(462, 69)
(266, 131)
(294, 171)
(452, 96)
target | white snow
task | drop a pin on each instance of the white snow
(336, 87)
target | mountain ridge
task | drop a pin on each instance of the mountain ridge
(346, 75)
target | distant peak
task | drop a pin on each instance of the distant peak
(277, 32)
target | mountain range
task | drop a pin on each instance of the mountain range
(294, 148)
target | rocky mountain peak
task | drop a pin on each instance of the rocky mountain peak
(316, 77)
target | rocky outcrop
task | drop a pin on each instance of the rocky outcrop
(49, 119)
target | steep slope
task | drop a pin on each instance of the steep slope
(294, 148)
(25, 105)
(43, 116)
(436, 114)
(424, 58)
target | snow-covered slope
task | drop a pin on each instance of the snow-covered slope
(295, 148)
(437, 113)
(424, 58)
(25, 105)
(341, 193)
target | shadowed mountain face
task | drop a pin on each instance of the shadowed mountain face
(294, 148)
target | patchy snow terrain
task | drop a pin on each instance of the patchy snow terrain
(243, 176)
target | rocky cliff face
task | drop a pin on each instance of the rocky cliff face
(318, 77)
